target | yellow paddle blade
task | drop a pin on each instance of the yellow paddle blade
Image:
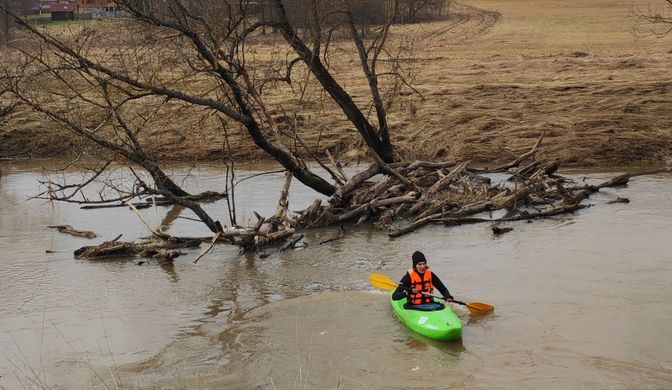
(382, 281)
(479, 308)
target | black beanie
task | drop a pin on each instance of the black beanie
(418, 257)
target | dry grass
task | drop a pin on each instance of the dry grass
(493, 77)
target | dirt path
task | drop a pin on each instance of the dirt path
(493, 77)
(466, 24)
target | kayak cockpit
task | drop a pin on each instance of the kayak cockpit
(432, 306)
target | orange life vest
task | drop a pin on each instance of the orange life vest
(421, 283)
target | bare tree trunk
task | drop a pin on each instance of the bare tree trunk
(382, 147)
(4, 21)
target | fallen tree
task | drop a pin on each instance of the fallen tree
(162, 249)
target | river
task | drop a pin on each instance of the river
(583, 301)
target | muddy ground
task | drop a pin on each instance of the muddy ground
(490, 78)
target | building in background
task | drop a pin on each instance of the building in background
(62, 10)
(100, 9)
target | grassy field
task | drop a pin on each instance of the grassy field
(44, 20)
(492, 78)
(573, 69)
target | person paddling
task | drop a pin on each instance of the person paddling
(419, 280)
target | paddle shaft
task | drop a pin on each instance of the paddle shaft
(448, 300)
(435, 296)
(438, 297)
(429, 295)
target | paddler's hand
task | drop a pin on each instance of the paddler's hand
(448, 299)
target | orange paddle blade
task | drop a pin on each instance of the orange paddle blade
(479, 308)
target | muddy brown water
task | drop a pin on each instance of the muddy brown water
(582, 300)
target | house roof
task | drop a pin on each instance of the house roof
(63, 7)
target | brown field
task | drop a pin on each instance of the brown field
(492, 77)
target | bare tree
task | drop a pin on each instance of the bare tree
(5, 20)
(217, 52)
(106, 91)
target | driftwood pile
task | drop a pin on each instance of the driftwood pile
(411, 195)
(400, 198)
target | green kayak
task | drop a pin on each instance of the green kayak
(440, 324)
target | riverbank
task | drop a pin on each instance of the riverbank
(490, 79)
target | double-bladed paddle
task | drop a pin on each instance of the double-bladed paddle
(384, 282)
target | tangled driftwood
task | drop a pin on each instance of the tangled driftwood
(402, 197)
(411, 195)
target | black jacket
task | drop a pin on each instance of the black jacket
(401, 293)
